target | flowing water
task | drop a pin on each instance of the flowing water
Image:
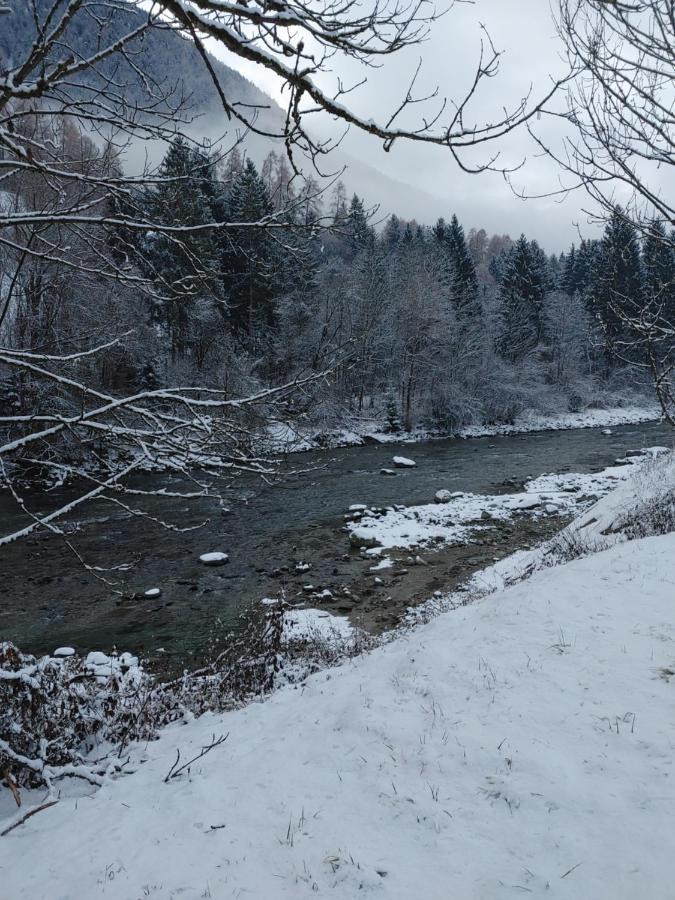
(47, 598)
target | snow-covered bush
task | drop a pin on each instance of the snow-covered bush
(57, 714)
(75, 716)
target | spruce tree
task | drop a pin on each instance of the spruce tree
(186, 270)
(463, 271)
(521, 295)
(658, 259)
(617, 283)
(249, 255)
(360, 234)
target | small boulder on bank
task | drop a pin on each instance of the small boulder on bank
(529, 502)
(215, 558)
(63, 652)
(442, 496)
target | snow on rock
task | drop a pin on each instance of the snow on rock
(152, 592)
(442, 496)
(528, 502)
(96, 658)
(521, 745)
(387, 472)
(128, 660)
(215, 558)
(64, 651)
(607, 431)
(402, 462)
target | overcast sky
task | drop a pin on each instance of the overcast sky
(524, 30)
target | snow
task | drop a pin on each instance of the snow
(385, 563)
(152, 592)
(463, 516)
(315, 625)
(287, 438)
(520, 744)
(64, 651)
(402, 462)
(216, 558)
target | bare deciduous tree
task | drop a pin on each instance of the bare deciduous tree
(82, 78)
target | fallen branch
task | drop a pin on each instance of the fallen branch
(19, 820)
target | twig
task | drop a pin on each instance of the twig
(176, 770)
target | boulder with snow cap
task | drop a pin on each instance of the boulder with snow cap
(402, 462)
(215, 558)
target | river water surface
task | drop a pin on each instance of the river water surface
(47, 599)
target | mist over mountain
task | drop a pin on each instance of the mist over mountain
(173, 64)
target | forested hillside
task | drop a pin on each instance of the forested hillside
(416, 324)
(145, 70)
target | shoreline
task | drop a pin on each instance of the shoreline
(284, 439)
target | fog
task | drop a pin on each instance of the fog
(422, 181)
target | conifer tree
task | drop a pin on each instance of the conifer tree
(617, 282)
(522, 292)
(463, 271)
(249, 255)
(186, 270)
(658, 258)
(360, 234)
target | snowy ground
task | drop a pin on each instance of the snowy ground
(465, 515)
(288, 438)
(522, 744)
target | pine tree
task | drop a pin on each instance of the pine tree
(658, 259)
(249, 255)
(463, 271)
(392, 232)
(568, 282)
(360, 234)
(617, 283)
(187, 270)
(522, 292)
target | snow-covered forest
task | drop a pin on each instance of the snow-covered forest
(231, 669)
(414, 324)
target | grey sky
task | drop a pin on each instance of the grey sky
(524, 30)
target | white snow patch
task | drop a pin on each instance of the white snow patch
(386, 563)
(402, 462)
(459, 519)
(315, 625)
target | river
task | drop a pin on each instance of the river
(47, 599)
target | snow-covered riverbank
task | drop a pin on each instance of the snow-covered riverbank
(522, 743)
(289, 438)
(460, 518)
